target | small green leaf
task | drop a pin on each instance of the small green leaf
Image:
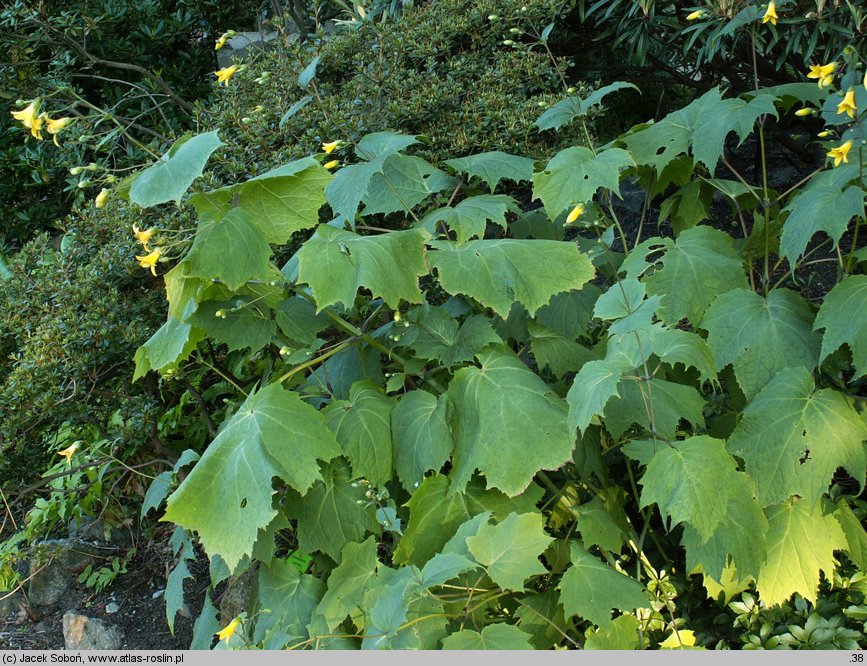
(591, 589)
(348, 583)
(494, 166)
(565, 111)
(174, 593)
(308, 73)
(286, 602)
(241, 325)
(172, 175)
(569, 313)
(470, 217)
(297, 319)
(671, 403)
(500, 636)
(173, 342)
(844, 318)
(438, 336)
(510, 550)
(401, 184)
(621, 634)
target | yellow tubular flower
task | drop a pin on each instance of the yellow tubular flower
(223, 75)
(99, 202)
(695, 15)
(824, 73)
(67, 453)
(827, 81)
(330, 147)
(771, 14)
(228, 632)
(27, 115)
(841, 153)
(331, 164)
(847, 106)
(54, 127)
(221, 42)
(150, 261)
(806, 111)
(36, 127)
(575, 214)
(143, 236)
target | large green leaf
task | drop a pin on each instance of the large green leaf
(625, 304)
(801, 544)
(569, 312)
(471, 216)
(286, 602)
(507, 423)
(667, 402)
(696, 268)
(333, 513)
(691, 481)
(165, 349)
(348, 582)
(362, 425)
(591, 589)
(227, 496)
(824, 204)
(500, 636)
(232, 249)
(760, 336)
(437, 511)
(792, 438)
(174, 172)
(336, 263)
(574, 175)
(566, 110)
(422, 439)
(556, 352)
(843, 315)
(297, 319)
(494, 166)
(498, 273)
(401, 184)
(239, 324)
(510, 550)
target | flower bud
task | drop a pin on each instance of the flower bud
(76, 171)
(508, 42)
(491, 17)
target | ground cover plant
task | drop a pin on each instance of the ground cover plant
(484, 400)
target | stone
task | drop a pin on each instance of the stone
(85, 528)
(244, 44)
(71, 555)
(89, 633)
(48, 582)
(236, 597)
(112, 607)
(10, 602)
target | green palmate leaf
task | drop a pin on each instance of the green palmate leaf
(436, 512)
(801, 544)
(401, 184)
(792, 438)
(674, 345)
(207, 624)
(333, 513)
(541, 616)
(824, 204)
(556, 352)
(345, 368)
(336, 263)
(570, 312)
(348, 583)
(704, 124)
(591, 589)
(240, 324)
(499, 636)
(286, 602)
(437, 335)
(624, 303)
(231, 249)
(383, 144)
(686, 207)
(227, 496)
(174, 593)
(856, 537)
(181, 289)
(173, 342)
(494, 166)
(471, 216)
(444, 567)
(691, 482)
(171, 176)
(844, 318)
(760, 337)
(666, 401)
(740, 538)
(297, 319)
(510, 550)
(565, 111)
(507, 423)
(574, 175)
(621, 634)
(599, 525)
(498, 273)
(422, 439)
(362, 425)
(696, 268)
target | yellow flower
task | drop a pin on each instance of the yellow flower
(865, 79)
(150, 261)
(575, 214)
(330, 147)
(806, 111)
(771, 14)
(27, 115)
(847, 106)
(331, 164)
(143, 236)
(99, 202)
(54, 127)
(226, 634)
(841, 153)
(824, 135)
(824, 73)
(67, 453)
(221, 42)
(695, 15)
(223, 75)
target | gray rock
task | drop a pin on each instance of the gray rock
(89, 633)
(71, 555)
(85, 528)
(10, 602)
(112, 607)
(48, 582)
(244, 44)
(236, 598)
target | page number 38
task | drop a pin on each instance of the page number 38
(857, 657)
